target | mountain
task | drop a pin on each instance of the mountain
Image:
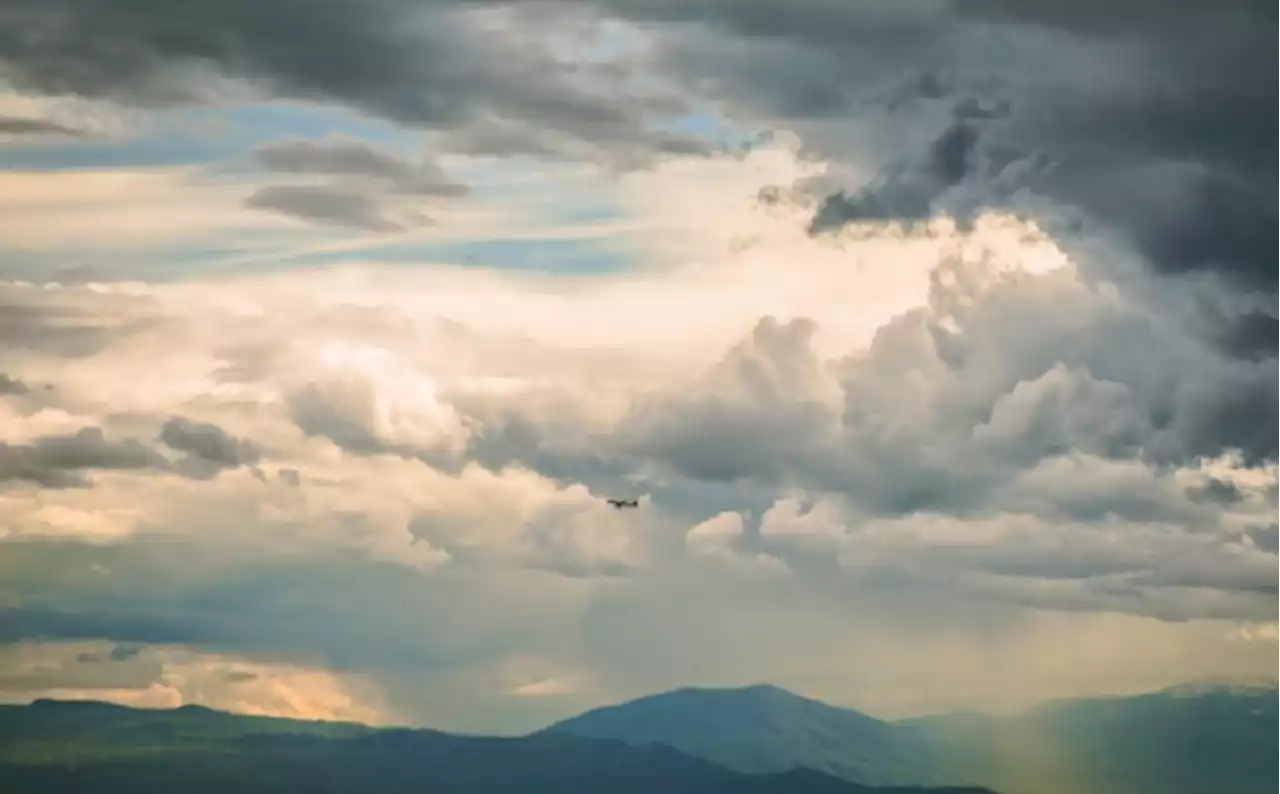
(1181, 741)
(766, 729)
(1185, 740)
(73, 747)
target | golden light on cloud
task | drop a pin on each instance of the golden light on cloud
(158, 676)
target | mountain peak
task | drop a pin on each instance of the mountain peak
(758, 692)
(758, 728)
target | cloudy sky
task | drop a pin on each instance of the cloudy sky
(936, 339)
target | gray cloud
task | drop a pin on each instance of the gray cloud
(368, 185)
(11, 385)
(1215, 490)
(18, 125)
(343, 205)
(339, 156)
(58, 323)
(759, 414)
(333, 606)
(64, 461)
(61, 461)
(209, 448)
(1148, 122)
(423, 63)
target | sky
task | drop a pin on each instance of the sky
(936, 341)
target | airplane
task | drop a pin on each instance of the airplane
(621, 503)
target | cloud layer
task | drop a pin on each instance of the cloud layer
(942, 363)
(402, 473)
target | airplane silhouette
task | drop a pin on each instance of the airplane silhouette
(621, 503)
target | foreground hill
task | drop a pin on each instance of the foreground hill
(766, 729)
(1183, 741)
(92, 747)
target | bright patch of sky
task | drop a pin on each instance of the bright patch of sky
(545, 215)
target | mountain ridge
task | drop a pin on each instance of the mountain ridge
(1064, 745)
(778, 730)
(78, 747)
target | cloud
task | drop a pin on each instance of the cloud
(950, 450)
(338, 156)
(59, 461)
(370, 187)
(335, 204)
(161, 677)
(11, 385)
(209, 448)
(10, 125)
(427, 64)
(718, 538)
(117, 215)
(1146, 123)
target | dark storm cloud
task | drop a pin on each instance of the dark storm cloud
(1137, 16)
(1251, 335)
(1186, 164)
(1159, 115)
(424, 63)
(61, 461)
(209, 448)
(831, 21)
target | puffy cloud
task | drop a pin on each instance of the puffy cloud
(946, 450)
(209, 448)
(718, 538)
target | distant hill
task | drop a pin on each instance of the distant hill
(766, 729)
(74, 747)
(1189, 740)
(66, 730)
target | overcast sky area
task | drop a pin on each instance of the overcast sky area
(937, 341)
